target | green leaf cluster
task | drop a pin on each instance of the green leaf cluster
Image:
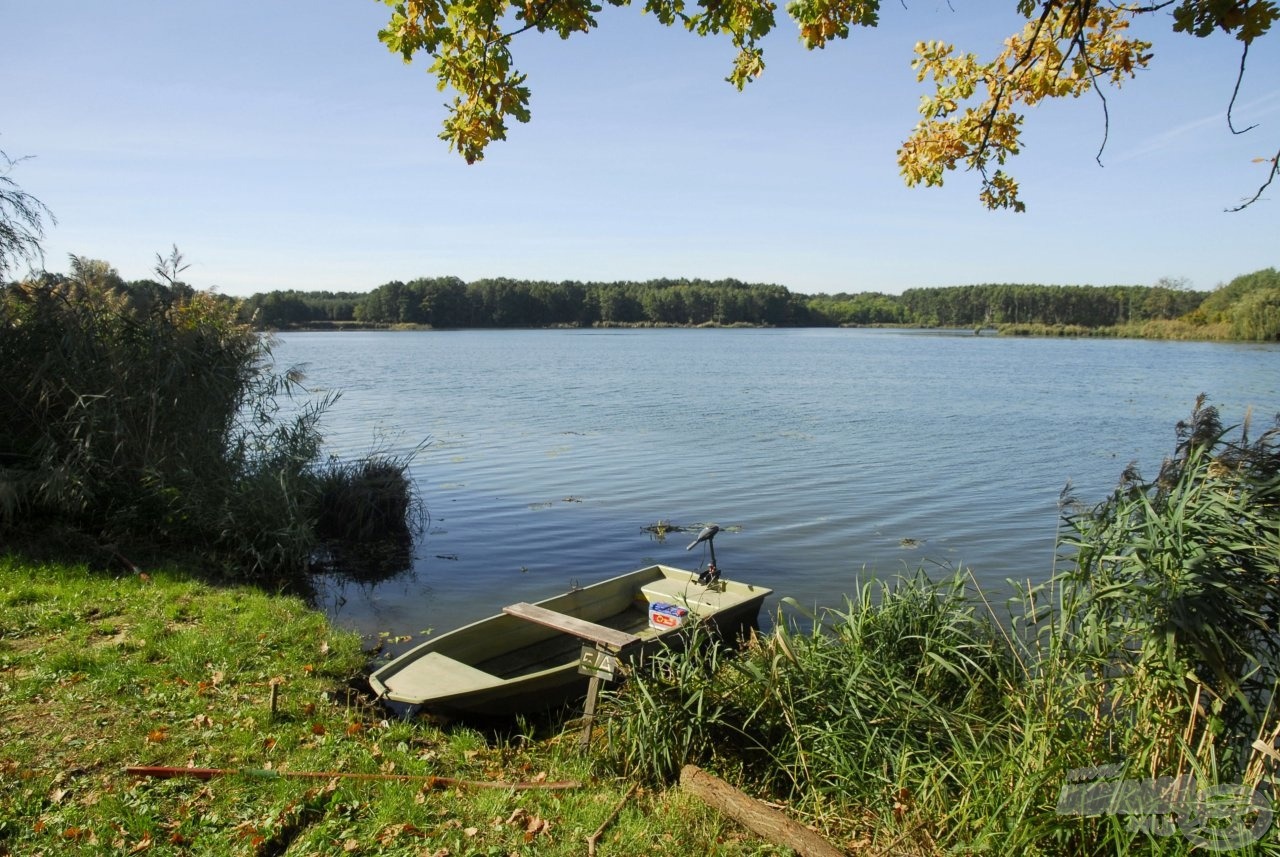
(1247, 19)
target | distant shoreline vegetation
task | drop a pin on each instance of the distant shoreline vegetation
(1246, 309)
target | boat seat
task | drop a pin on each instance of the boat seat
(697, 598)
(598, 634)
(433, 674)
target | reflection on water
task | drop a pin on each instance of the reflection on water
(828, 455)
(372, 561)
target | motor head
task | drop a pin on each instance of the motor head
(707, 534)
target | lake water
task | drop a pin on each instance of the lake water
(832, 455)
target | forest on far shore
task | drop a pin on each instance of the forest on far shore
(1247, 308)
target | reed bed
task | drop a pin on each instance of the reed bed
(141, 420)
(918, 718)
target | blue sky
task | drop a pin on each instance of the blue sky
(279, 145)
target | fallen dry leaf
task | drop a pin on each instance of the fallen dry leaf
(389, 834)
(534, 827)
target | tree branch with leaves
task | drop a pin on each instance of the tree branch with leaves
(1067, 48)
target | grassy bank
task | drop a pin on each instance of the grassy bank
(98, 673)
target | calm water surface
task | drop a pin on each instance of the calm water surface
(833, 455)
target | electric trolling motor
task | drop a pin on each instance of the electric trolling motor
(712, 573)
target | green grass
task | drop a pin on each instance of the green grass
(98, 673)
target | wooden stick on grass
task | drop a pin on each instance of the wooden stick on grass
(754, 815)
(161, 772)
(594, 838)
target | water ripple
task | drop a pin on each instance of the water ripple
(835, 455)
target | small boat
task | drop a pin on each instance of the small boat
(527, 658)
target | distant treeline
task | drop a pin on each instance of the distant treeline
(1247, 308)
(448, 302)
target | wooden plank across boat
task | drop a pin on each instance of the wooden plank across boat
(526, 658)
(601, 635)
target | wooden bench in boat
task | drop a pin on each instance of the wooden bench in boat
(598, 634)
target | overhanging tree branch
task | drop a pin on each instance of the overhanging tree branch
(1235, 92)
(1065, 48)
(1271, 176)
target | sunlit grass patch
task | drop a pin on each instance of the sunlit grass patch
(99, 673)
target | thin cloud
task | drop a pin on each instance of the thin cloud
(1244, 115)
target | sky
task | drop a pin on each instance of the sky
(279, 145)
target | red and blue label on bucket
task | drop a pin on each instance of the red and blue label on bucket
(664, 616)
